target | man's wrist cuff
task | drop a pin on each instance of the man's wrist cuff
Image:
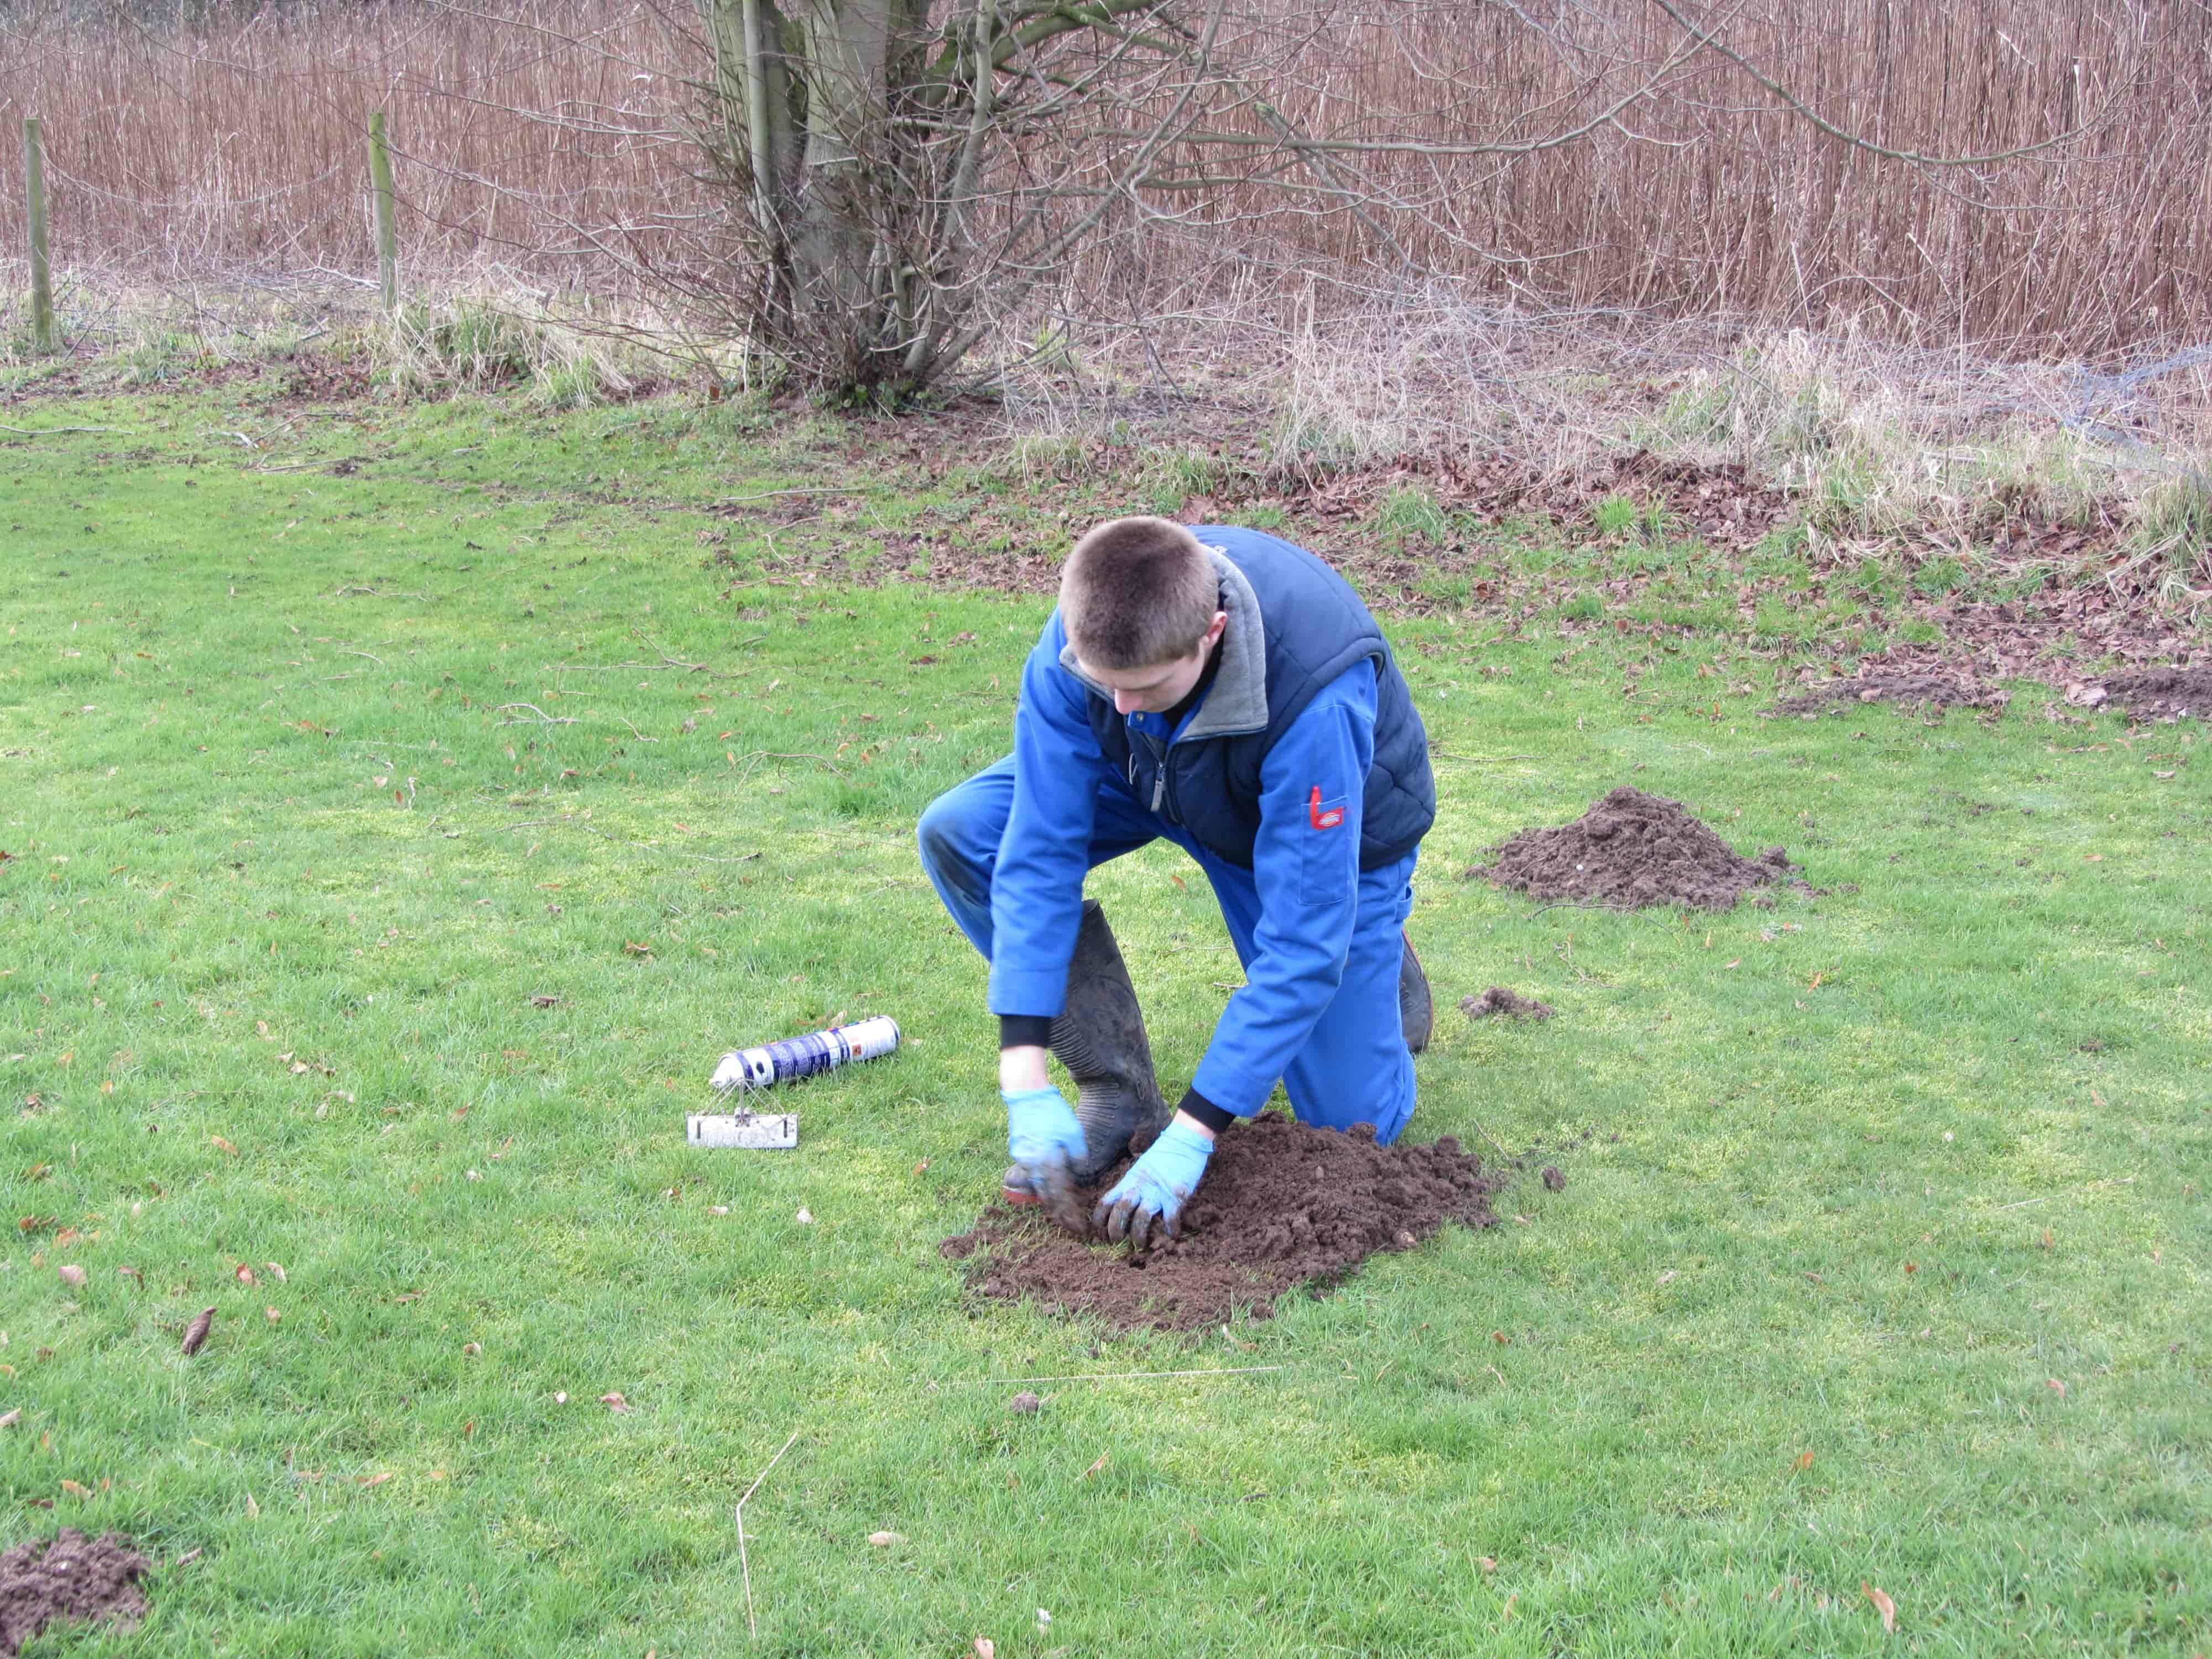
(1024, 1031)
(1212, 1116)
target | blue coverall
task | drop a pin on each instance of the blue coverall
(1321, 940)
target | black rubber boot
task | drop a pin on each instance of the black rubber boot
(1416, 1013)
(1099, 1036)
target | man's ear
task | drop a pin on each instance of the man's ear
(1213, 634)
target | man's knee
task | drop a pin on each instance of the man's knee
(944, 846)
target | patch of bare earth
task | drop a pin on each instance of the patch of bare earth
(1283, 1205)
(67, 1579)
(1955, 689)
(1629, 850)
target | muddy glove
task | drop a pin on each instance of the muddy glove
(1044, 1138)
(1155, 1190)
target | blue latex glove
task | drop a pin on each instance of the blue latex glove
(1155, 1190)
(1044, 1138)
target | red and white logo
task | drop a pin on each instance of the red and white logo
(1319, 816)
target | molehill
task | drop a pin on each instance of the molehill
(50, 1581)
(1629, 850)
(1282, 1206)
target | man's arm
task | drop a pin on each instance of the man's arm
(1036, 888)
(1306, 863)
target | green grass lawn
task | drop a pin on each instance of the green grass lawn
(404, 808)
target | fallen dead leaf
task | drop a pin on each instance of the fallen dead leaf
(718, 1209)
(886, 1540)
(1804, 1460)
(70, 1274)
(76, 1489)
(2056, 1387)
(196, 1332)
(614, 1402)
(245, 1274)
(986, 1648)
(252, 1509)
(1669, 1276)
(274, 1271)
(1882, 1605)
(1487, 1563)
(222, 1145)
(919, 1167)
(10, 1419)
(1103, 1458)
(274, 1316)
(374, 1479)
(472, 1349)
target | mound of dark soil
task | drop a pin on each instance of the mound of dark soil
(2163, 694)
(49, 1581)
(1928, 690)
(1282, 1206)
(1498, 1000)
(1631, 849)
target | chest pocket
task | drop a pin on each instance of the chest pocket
(1330, 852)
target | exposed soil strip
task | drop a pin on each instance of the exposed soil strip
(51, 1581)
(1498, 1000)
(1907, 689)
(1282, 1206)
(1629, 850)
(2163, 694)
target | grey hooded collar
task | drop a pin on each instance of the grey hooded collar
(1239, 700)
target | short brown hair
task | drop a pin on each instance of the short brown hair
(1138, 592)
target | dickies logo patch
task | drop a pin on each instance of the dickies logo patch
(1323, 818)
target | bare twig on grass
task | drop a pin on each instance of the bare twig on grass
(49, 431)
(348, 651)
(768, 754)
(1095, 1376)
(568, 821)
(635, 733)
(543, 717)
(744, 1562)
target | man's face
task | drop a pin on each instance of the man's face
(1157, 689)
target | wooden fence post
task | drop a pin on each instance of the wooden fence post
(34, 187)
(387, 230)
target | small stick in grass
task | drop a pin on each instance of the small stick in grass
(196, 1332)
(744, 1564)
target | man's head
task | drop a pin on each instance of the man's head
(1142, 607)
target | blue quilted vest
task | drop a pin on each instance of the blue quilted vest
(1294, 625)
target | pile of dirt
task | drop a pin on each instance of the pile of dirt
(2163, 694)
(1629, 850)
(1282, 1206)
(1936, 690)
(50, 1581)
(1498, 1000)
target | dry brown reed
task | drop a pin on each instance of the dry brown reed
(540, 136)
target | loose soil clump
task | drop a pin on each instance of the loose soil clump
(1909, 690)
(1629, 850)
(1498, 1000)
(1283, 1205)
(50, 1581)
(2163, 694)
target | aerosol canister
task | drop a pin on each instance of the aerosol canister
(803, 1056)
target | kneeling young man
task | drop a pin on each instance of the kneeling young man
(1228, 692)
